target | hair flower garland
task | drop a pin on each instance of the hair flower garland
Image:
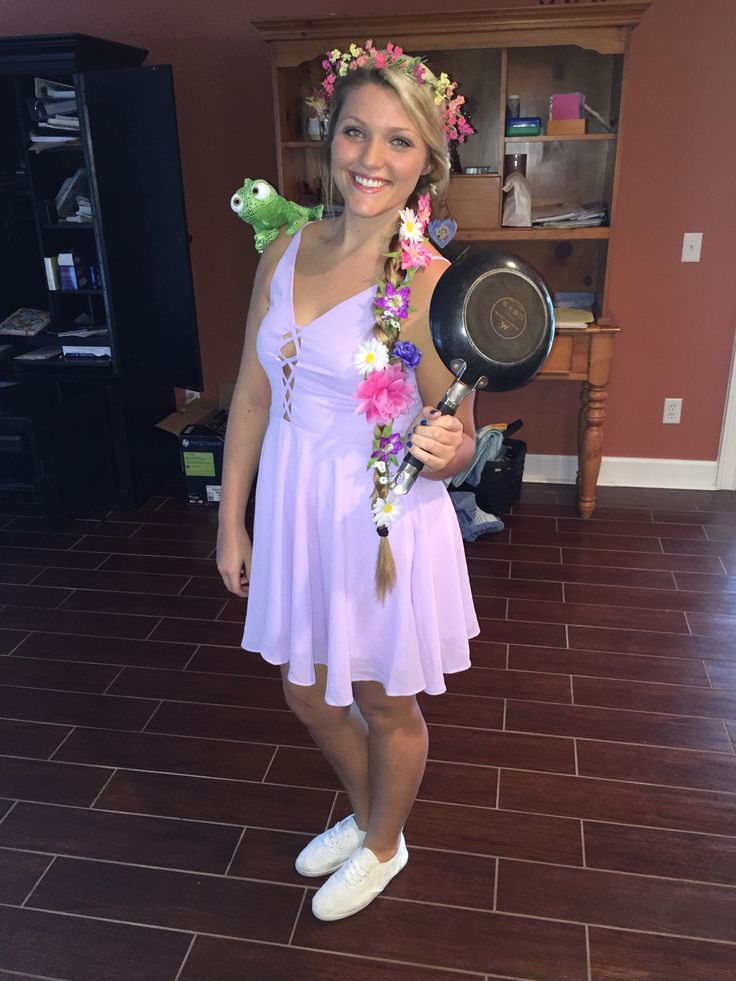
(338, 63)
(385, 391)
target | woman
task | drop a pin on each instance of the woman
(355, 651)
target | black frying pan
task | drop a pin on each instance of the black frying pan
(492, 324)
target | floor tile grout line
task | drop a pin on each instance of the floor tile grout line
(37, 883)
(152, 716)
(9, 811)
(117, 676)
(50, 757)
(236, 849)
(103, 788)
(185, 667)
(391, 899)
(729, 737)
(587, 953)
(271, 762)
(298, 916)
(186, 957)
(200, 873)
(427, 800)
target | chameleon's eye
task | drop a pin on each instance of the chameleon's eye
(261, 190)
(236, 203)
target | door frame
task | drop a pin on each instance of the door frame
(726, 473)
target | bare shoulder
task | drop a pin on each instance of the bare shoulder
(271, 257)
(424, 282)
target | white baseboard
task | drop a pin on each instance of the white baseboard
(625, 471)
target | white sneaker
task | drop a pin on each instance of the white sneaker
(328, 851)
(357, 883)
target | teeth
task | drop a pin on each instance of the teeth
(367, 182)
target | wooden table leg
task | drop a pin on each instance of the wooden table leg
(590, 421)
(590, 444)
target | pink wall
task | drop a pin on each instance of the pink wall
(678, 167)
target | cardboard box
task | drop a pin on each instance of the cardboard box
(201, 446)
(567, 127)
(474, 200)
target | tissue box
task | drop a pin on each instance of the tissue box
(567, 127)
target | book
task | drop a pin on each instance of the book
(25, 322)
(39, 353)
(573, 318)
(86, 351)
(51, 265)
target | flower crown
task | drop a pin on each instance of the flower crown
(339, 63)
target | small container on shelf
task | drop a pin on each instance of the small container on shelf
(524, 126)
(474, 198)
(567, 127)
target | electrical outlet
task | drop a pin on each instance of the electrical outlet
(672, 410)
(692, 243)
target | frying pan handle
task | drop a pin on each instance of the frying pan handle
(403, 480)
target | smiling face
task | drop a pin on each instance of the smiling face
(377, 153)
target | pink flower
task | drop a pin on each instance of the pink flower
(380, 59)
(415, 255)
(424, 209)
(384, 395)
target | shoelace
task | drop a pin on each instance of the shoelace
(353, 872)
(335, 835)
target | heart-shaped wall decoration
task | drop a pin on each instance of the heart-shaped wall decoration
(442, 231)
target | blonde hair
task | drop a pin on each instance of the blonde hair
(417, 101)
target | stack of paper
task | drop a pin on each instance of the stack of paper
(570, 215)
(573, 318)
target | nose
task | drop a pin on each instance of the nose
(373, 154)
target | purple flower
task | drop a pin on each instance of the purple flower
(396, 301)
(407, 353)
(388, 446)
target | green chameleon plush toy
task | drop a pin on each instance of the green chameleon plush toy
(261, 206)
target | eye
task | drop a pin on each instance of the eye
(236, 203)
(261, 190)
(353, 131)
(401, 141)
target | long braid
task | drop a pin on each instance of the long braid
(385, 563)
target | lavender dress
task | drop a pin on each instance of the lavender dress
(312, 597)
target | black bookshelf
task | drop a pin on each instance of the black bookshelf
(130, 253)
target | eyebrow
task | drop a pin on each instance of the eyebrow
(394, 129)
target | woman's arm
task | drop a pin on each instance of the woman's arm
(444, 444)
(246, 426)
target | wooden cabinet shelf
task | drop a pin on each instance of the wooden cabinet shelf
(597, 233)
(573, 138)
(533, 52)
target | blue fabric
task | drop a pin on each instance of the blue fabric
(473, 521)
(488, 446)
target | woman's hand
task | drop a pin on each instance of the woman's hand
(434, 439)
(234, 556)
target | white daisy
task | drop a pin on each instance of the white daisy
(385, 512)
(380, 466)
(410, 227)
(371, 356)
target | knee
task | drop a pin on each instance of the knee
(387, 713)
(309, 706)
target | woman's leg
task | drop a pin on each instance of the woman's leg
(397, 749)
(341, 734)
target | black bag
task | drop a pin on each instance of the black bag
(500, 482)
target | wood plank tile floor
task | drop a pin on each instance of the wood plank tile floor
(577, 821)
